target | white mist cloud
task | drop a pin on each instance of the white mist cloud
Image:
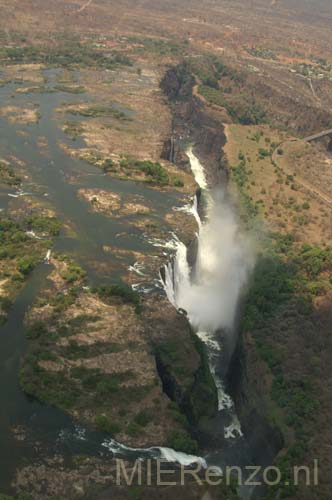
(224, 261)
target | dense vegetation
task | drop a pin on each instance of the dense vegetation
(244, 109)
(49, 226)
(160, 47)
(155, 173)
(123, 292)
(194, 392)
(224, 86)
(19, 254)
(8, 175)
(99, 110)
(281, 315)
(67, 54)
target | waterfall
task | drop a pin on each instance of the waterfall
(210, 292)
(47, 257)
(171, 154)
(157, 452)
(194, 211)
(197, 169)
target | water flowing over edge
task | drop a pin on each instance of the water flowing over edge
(177, 280)
(178, 273)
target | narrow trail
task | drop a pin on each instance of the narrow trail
(85, 6)
(309, 187)
(313, 91)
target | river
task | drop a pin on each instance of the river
(47, 430)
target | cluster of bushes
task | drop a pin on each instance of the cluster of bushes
(120, 291)
(62, 300)
(242, 109)
(240, 175)
(297, 398)
(66, 55)
(64, 389)
(15, 244)
(262, 53)
(54, 387)
(264, 153)
(209, 70)
(80, 351)
(103, 385)
(8, 175)
(279, 309)
(180, 440)
(106, 425)
(99, 110)
(195, 396)
(315, 260)
(46, 225)
(73, 129)
(108, 165)
(157, 46)
(71, 89)
(26, 264)
(22, 254)
(222, 86)
(156, 173)
(73, 273)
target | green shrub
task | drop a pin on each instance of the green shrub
(66, 54)
(177, 182)
(134, 429)
(26, 264)
(103, 423)
(36, 330)
(73, 273)
(8, 175)
(142, 418)
(181, 440)
(124, 292)
(102, 111)
(263, 153)
(157, 173)
(48, 225)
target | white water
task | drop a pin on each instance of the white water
(19, 193)
(191, 209)
(47, 257)
(223, 263)
(138, 269)
(167, 454)
(214, 262)
(210, 294)
(197, 169)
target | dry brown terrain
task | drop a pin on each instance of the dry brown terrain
(276, 59)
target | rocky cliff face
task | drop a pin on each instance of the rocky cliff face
(249, 383)
(247, 375)
(194, 122)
